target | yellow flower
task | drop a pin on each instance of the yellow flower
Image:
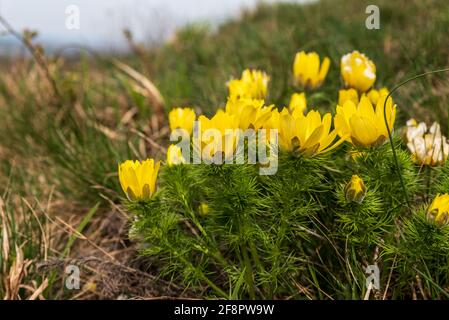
(252, 85)
(298, 102)
(374, 95)
(439, 209)
(250, 113)
(218, 134)
(307, 134)
(307, 70)
(174, 155)
(355, 190)
(361, 124)
(90, 286)
(273, 122)
(345, 95)
(138, 179)
(182, 118)
(358, 71)
(428, 147)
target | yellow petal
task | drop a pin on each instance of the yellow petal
(324, 69)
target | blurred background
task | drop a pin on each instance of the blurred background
(102, 21)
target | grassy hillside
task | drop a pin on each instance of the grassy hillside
(64, 125)
(192, 68)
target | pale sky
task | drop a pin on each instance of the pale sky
(102, 21)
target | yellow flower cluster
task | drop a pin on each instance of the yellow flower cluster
(359, 118)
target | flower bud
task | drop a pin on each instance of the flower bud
(138, 178)
(355, 190)
(204, 209)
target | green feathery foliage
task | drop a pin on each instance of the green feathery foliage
(420, 254)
